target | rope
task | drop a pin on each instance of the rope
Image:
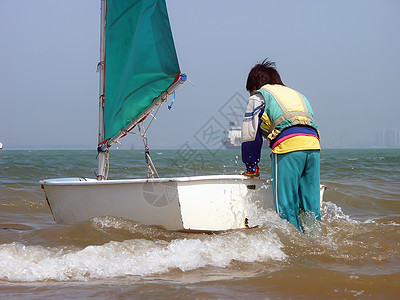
(151, 169)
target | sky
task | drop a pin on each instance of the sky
(342, 55)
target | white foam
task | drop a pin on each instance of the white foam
(135, 257)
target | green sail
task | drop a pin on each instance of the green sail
(141, 60)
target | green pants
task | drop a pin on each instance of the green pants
(296, 184)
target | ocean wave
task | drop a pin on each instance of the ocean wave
(19, 262)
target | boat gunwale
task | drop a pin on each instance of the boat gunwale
(91, 181)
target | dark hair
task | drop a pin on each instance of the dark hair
(262, 74)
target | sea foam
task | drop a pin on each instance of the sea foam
(19, 262)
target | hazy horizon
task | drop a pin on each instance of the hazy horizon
(342, 55)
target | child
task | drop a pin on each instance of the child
(285, 118)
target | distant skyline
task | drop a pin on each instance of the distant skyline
(383, 139)
(342, 55)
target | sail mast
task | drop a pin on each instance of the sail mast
(101, 68)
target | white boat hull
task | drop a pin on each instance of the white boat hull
(205, 203)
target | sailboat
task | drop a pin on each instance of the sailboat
(138, 70)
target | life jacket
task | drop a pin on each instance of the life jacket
(284, 108)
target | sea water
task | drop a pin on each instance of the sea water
(356, 254)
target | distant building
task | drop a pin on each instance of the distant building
(388, 138)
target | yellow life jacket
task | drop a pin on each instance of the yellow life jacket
(284, 107)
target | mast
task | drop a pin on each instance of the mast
(102, 154)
